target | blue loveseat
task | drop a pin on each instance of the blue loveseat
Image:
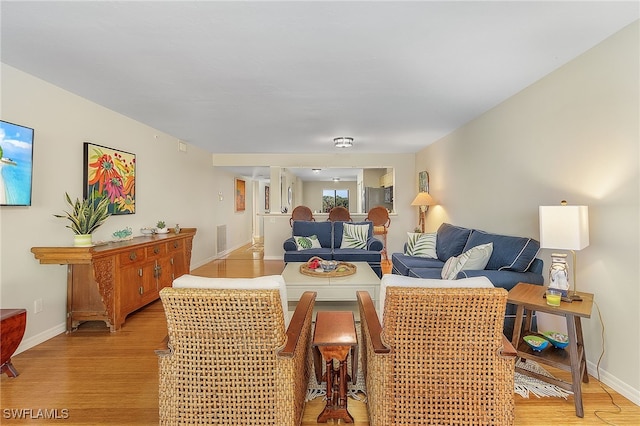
(330, 237)
(512, 260)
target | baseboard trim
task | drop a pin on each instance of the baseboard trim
(614, 383)
(41, 337)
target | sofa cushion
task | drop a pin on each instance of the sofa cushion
(451, 241)
(266, 282)
(509, 253)
(307, 242)
(305, 228)
(354, 236)
(421, 245)
(305, 255)
(475, 258)
(392, 280)
(403, 263)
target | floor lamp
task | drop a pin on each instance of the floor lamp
(565, 227)
(423, 200)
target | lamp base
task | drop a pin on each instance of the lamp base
(575, 297)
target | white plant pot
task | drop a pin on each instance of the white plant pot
(82, 240)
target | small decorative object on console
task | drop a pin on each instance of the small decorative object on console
(123, 234)
(161, 227)
(147, 231)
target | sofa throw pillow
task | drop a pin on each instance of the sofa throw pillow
(305, 243)
(354, 236)
(475, 258)
(422, 245)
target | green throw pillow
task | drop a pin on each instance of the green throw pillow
(422, 245)
(354, 236)
(305, 243)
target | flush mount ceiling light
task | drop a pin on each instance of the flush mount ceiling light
(336, 179)
(343, 142)
(316, 171)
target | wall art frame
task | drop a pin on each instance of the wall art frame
(111, 173)
(267, 196)
(423, 182)
(240, 195)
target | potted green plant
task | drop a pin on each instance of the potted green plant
(161, 227)
(86, 216)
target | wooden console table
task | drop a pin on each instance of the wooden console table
(334, 337)
(107, 282)
(530, 297)
(12, 325)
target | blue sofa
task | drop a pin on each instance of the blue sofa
(330, 237)
(512, 260)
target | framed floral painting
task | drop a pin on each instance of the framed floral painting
(110, 173)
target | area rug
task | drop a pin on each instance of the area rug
(523, 384)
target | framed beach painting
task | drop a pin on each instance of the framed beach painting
(110, 173)
(241, 194)
(16, 164)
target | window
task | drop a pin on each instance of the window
(333, 198)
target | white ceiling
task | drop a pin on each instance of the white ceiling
(253, 77)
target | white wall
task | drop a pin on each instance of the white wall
(171, 185)
(573, 135)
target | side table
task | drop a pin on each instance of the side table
(529, 298)
(12, 325)
(334, 337)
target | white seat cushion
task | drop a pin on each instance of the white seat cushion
(393, 280)
(266, 282)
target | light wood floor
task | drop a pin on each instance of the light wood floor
(94, 377)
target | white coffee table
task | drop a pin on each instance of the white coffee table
(331, 289)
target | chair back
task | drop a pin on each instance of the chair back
(301, 213)
(379, 215)
(444, 344)
(339, 213)
(223, 345)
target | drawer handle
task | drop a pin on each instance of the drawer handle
(133, 255)
(141, 291)
(140, 272)
(156, 250)
(175, 244)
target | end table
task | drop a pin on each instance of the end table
(529, 298)
(12, 325)
(334, 337)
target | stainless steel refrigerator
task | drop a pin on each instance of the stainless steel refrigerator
(373, 197)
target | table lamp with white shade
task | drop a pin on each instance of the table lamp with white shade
(565, 227)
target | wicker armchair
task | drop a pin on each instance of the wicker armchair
(229, 360)
(439, 358)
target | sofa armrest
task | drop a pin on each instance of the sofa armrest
(374, 244)
(301, 316)
(504, 279)
(290, 244)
